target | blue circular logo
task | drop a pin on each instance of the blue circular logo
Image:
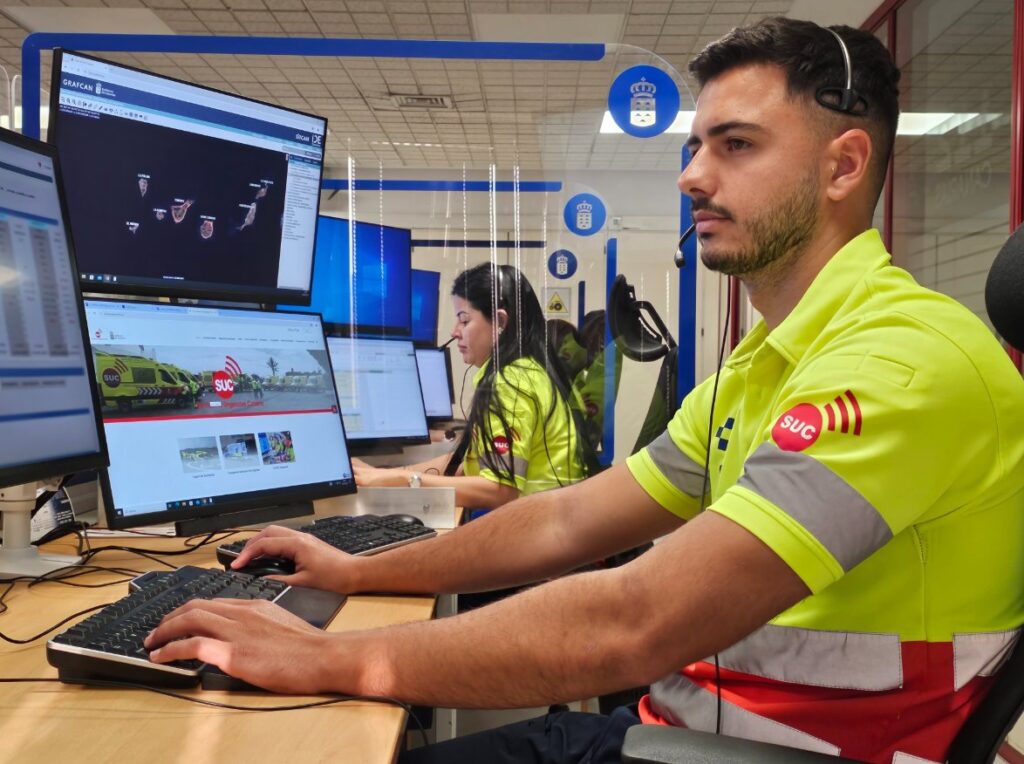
(562, 264)
(643, 101)
(584, 214)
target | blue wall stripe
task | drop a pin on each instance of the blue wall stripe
(34, 44)
(581, 303)
(476, 243)
(505, 186)
(687, 332)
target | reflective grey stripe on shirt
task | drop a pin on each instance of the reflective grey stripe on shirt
(676, 699)
(682, 471)
(839, 659)
(831, 510)
(496, 463)
(983, 654)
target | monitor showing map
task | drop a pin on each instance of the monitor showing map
(176, 189)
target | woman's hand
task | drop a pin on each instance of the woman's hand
(379, 477)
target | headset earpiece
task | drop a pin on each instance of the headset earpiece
(844, 100)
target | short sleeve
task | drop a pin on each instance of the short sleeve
(858, 447)
(671, 468)
(520, 401)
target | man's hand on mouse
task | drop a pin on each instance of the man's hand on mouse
(317, 564)
(256, 641)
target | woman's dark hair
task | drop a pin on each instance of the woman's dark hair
(490, 288)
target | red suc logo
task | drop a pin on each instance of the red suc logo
(223, 384)
(501, 444)
(111, 378)
(798, 428)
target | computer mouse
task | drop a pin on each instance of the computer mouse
(410, 519)
(268, 566)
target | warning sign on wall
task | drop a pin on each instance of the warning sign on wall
(557, 301)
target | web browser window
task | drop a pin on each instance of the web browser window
(379, 388)
(206, 405)
(219, 193)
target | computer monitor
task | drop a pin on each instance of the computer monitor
(379, 389)
(48, 416)
(215, 417)
(180, 190)
(379, 285)
(426, 296)
(435, 369)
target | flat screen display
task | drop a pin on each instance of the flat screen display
(435, 372)
(175, 189)
(209, 410)
(377, 280)
(48, 416)
(426, 296)
(379, 388)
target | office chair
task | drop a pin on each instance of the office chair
(985, 730)
(641, 335)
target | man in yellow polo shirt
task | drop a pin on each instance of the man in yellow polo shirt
(858, 569)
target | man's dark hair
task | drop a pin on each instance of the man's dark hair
(812, 59)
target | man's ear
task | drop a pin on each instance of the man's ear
(849, 160)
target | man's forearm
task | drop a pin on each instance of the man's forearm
(581, 635)
(461, 662)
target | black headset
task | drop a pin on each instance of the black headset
(845, 100)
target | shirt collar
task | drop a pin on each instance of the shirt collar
(833, 285)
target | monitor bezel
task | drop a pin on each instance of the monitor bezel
(431, 341)
(447, 354)
(390, 440)
(64, 465)
(190, 289)
(253, 499)
(371, 331)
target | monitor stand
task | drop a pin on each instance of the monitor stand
(242, 517)
(17, 555)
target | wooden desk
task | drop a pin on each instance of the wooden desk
(51, 722)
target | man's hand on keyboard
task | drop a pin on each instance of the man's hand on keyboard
(317, 565)
(255, 641)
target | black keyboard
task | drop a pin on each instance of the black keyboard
(108, 644)
(361, 535)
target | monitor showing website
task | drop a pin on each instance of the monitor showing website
(435, 380)
(181, 190)
(377, 280)
(210, 409)
(47, 410)
(379, 389)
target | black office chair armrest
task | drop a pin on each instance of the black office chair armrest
(658, 744)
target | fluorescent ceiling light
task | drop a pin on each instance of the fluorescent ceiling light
(681, 124)
(548, 27)
(98, 20)
(941, 122)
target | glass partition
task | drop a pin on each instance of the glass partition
(565, 170)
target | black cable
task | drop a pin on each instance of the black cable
(462, 392)
(334, 700)
(26, 640)
(704, 488)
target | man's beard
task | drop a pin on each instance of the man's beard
(777, 235)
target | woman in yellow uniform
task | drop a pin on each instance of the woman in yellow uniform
(522, 434)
